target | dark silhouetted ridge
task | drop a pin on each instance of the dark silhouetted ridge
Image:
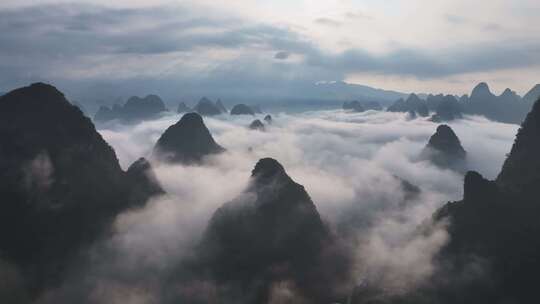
(493, 232)
(257, 125)
(521, 170)
(187, 141)
(269, 168)
(533, 94)
(61, 185)
(413, 104)
(481, 92)
(508, 107)
(269, 234)
(134, 110)
(143, 179)
(444, 149)
(221, 106)
(183, 108)
(354, 106)
(206, 107)
(242, 109)
(447, 109)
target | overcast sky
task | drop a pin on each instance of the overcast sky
(413, 46)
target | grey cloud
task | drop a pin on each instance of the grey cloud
(455, 19)
(47, 42)
(493, 27)
(282, 55)
(327, 22)
(358, 15)
(422, 64)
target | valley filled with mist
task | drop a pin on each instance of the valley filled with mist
(269, 152)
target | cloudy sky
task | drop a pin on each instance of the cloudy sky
(416, 45)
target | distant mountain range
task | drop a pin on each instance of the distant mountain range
(134, 110)
(508, 107)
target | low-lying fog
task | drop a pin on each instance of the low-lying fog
(346, 161)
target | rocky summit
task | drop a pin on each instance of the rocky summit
(257, 125)
(444, 149)
(447, 109)
(271, 233)
(205, 107)
(353, 106)
(413, 104)
(134, 110)
(183, 108)
(188, 141)
(242, 109)
(496, 223)
(60, 182)
(268, 119)
(221, 106)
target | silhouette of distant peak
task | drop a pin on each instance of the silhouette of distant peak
(187, 141)
(446, 140)
(221, 106)
(257, 125)
(444, 149)
(268, 119)
(508, 91)
(183, 108)
(481, 91)
(242, 109)
(482, 86)
(413, 96)
(206, 107)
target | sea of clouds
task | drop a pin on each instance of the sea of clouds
(351, 164)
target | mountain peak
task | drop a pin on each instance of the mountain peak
(508, 91)
(533, 94)
(444, 148)
(242, 109)
(221, 106)
(206, 107)
(187, 141)
(521, 169)
(277, 231)
(141, 164)
(267, 168)
(482, 86)
(481, 91)
(192, 118)
(257, 125)
(71, 192)
(40, 92)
